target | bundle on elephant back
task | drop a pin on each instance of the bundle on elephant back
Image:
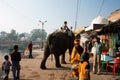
(57, 43)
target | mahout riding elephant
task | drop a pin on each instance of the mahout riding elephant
(57, 43)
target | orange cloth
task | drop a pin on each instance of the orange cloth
(83, 72)
(75, 58)
(26, 49)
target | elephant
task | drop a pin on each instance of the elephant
(57, 43)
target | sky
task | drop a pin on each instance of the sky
(24, 15)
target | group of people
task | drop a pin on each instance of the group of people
(80, 59)
(80, 62)
(16, 58)
(15, 62)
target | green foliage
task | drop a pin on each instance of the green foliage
(8, 40)
(12, 35)
(38, 33)
(23, 45)
(3, 35)
(21, 35)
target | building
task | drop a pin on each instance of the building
(108, 29)
(110, 33)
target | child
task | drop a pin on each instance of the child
(6, 67)
(16, 58)
(84, 67)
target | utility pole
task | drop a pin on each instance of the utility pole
(76, 14)
(42, 31)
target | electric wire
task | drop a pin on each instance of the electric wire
(101, 7)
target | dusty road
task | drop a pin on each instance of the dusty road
(30, 70)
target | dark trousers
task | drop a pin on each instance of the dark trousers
(16, 72)
(30, 54)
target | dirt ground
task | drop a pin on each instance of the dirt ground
(30, 69)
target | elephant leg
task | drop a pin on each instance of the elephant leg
(42, 66)
(63, 59)
(46, 55)
(70, 50)
(57, 61)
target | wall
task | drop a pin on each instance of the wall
(114, 16)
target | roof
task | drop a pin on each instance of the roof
(79, 30)
(112, 27)
(97, 21)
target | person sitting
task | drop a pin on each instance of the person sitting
(64, 27)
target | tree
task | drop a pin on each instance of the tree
(38, 33)
(12, 35)
(24, 36)
(21, 35)
(3, 35)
